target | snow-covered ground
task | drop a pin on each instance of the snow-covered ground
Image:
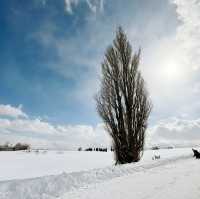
(175, 180)
(69, 175)
(21, 165)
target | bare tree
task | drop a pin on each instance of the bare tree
(122, 101)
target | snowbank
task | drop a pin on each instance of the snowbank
(54, 186)
(177, 180)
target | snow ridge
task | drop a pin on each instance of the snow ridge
(53, 186)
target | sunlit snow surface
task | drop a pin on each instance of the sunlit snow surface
(71, 174)
(21, 165)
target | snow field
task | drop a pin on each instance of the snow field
(79, 169)
(23, 165)
(174, 180)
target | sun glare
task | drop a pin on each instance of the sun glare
(172, 72)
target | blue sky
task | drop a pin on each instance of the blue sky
(48, 52)
(27, 76)
(51, 52)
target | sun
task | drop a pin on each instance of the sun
(172, 72)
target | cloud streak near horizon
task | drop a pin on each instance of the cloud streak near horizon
(42, 134)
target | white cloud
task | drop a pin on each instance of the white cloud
(10, 111)
(43, 134)
(27, 126)
(170, 62)
(69, 5)
(94, 5)
(188, 33)
(40, 133)
(176, 132)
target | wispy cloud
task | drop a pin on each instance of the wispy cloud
(10, 111)
(39, 133)
(93, 5)
(188, 32)
(43, 134)
(69, 4)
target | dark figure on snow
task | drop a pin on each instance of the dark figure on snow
(196, 154)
